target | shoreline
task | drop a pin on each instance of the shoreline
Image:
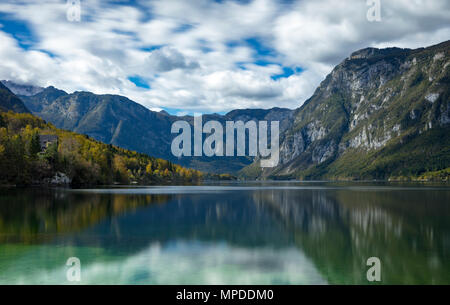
(209, 182)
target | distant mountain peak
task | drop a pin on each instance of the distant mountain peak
(22, 89)
(53, 89)
(374, 52)
(9, 101)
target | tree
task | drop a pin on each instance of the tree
(166, 173)
(84, 160)
(148, 168)
(35, 145)
(51, 154)
(15, 154)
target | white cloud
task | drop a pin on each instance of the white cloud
(195, 54)
(168, 59)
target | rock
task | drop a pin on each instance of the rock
(432, 97)
(60, 179)
(374, 98)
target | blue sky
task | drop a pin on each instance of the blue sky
(203, 55)
(19, 29)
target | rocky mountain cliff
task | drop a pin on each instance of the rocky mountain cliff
(381, 113)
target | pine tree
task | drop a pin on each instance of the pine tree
(35, 145)
(2, 121)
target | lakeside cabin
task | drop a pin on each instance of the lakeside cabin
(47, 140)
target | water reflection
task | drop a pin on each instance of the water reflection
(236, 234)
(339, 229)
(33, 215)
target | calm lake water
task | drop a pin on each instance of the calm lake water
(236, 233)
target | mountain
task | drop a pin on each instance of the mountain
(22, 89)
(111, 119)
(234, 164)
(39, 101)
(8, 101)
(380, 114)
(117, 120)
(72, 158)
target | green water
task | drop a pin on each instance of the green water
(237, 233)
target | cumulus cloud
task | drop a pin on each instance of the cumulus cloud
(203, 55)
(167, 59)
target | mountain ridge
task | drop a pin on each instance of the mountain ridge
(372, 101)
(365, 113)
(10, 102)
(117, 120)
(71, 158)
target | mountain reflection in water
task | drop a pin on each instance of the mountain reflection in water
(240, 233)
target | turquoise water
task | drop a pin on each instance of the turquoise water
(236, 233)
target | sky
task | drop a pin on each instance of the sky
(203, 55)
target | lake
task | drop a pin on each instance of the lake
(227, 233)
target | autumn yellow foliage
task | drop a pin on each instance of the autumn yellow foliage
(82, 159)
